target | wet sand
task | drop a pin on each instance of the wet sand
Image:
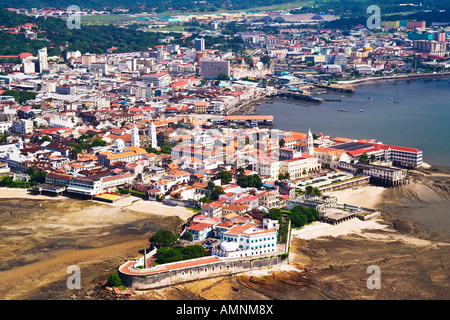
(41, 236)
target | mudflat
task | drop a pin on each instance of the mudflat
(42, 236)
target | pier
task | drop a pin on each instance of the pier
(298, 96)
(338, 88)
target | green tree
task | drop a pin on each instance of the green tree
(364, 157)
(240, 170)
(168, 255)
(316, 192)
(166, 148)
(275, 214)
(24, 96)
(98, 142)
(225, 176)
(164, 237)
(11, 93)
(265, 60)
(216, 192)
(298, 218)
(250, 181)
(46, 138)
(193, 251)
(205, 199)
(114, 280)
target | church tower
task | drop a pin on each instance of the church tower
(135, 142)
(152, 134)
(309, 143)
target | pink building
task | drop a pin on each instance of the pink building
(415, 24)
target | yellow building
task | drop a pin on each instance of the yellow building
(129, 154)
(200, 107)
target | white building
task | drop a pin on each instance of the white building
(135, 142)
(331, 69)
(298, 167)
(5, 126)
(152, 135)
(22, 126)
(42, 59)
(268, 169)
(248, 240)
(159, 79)
(269, 199)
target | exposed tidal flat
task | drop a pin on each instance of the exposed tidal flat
(41, 236)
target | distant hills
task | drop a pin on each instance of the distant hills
(145, 5)
(346, 8)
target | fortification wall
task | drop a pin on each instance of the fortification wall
(223, 268)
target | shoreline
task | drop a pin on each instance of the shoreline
(415, 76)
(131, 203)
(351, 83)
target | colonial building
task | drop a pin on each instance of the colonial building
(248, 239)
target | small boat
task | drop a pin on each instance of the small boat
(396, 102)
(370, 98)
(343, 110)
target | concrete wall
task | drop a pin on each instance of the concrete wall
(346, 185)
(225, 268)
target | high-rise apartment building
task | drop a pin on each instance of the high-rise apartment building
(199, 44)
(42, 59)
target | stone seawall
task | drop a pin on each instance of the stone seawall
(209, 270)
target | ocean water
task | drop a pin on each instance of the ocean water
(409, 113)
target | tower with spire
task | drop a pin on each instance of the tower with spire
(310, 143)
(152, 134)
(135, 142)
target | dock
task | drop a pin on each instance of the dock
(299, 96)
(335, 87)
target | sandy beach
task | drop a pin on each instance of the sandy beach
(321, 229)
(368, 196)
(130, 203)
(152, 207)
(18, 193)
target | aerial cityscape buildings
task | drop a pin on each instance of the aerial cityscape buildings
(178, 124)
